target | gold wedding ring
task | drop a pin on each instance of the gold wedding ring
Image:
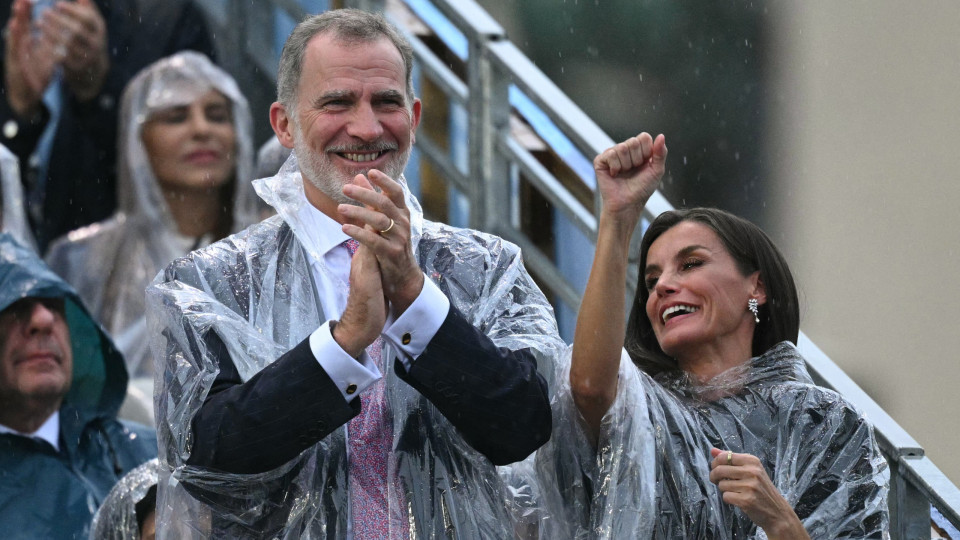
(385, 231)
(729, 458)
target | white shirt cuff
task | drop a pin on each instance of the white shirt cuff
(415, 327)
(350, 375)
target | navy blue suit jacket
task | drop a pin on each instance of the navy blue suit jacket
(258, 425)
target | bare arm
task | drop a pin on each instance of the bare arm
(627, 175)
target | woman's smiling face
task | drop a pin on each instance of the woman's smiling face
(697, 294)
(192, 146)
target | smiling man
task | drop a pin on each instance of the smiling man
(61, 383)
(348, 368)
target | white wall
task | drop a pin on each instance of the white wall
(865, 105)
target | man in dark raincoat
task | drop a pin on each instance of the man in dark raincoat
(61, 383)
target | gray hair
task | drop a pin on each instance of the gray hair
(347, 25)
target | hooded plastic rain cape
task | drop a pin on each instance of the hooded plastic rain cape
(649, 477)
(45, 493)
(13, 210)
(256, 292)
(111, 263)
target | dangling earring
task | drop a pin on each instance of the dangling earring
(754, 307)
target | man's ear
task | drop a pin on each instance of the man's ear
(759, 289)
(282, 124)
(415, 119)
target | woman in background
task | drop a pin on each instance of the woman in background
(185, 163)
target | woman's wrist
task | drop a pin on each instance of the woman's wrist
(618, 227)
(790, 528)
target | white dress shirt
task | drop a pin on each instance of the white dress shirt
(49, 431)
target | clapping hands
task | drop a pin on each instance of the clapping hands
(71, 35)
(384, 272)
(383, 225)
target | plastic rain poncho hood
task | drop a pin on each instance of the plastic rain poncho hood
(117, 517)
(256, 291)
(111, 263)
(50, 494)
(13, 207)
(649, 477)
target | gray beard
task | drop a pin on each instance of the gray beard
(324, 176)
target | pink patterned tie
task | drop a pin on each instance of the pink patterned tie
(370, 436)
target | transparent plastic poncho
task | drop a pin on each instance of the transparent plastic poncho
(256, 292)
(649, 476)
(117, 517)
(110, 263)
(13, 206)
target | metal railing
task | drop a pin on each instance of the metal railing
(916, 483)
(525, 140)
